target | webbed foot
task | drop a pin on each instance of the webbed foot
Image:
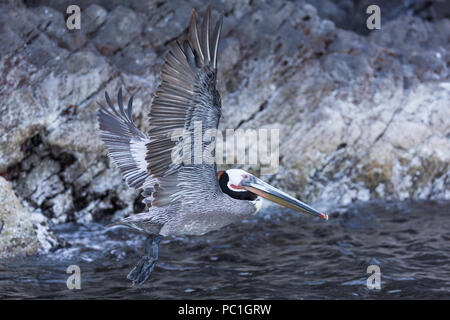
(143, 269)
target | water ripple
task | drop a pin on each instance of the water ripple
(276, 255)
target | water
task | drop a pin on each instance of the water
(276, 254)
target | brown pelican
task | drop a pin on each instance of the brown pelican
(182, 198)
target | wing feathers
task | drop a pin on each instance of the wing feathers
(215, 41)
(205, 33)
(187, 93)
(125, 143)
(193, 37)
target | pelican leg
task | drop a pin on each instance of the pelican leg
(138, 268)
(141, 272)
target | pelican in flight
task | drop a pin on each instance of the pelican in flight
(182, 198)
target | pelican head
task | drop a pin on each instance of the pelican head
(242, 185)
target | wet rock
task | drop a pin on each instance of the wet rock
(17, 235)
(136, 58)
(94, 16)
(41, 183)
(164, 20)
(122, 26)
(350, 109)
(47, 240)
(61, 206)
(351, 14)
(52, 23)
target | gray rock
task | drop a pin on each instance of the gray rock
(338, 101)
(53, 24)
(351, 14)
(17, 235)
(61, 205)
(122, 26)
(93, 17)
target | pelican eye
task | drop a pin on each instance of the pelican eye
(246, 178)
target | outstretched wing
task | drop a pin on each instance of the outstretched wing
(125, 143)
(186, 98)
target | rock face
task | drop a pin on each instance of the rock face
(17, 235)
(360, 117)
(351, 14)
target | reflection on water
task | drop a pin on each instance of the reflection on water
(276, 255)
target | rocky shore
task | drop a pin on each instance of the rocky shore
(362, 115)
